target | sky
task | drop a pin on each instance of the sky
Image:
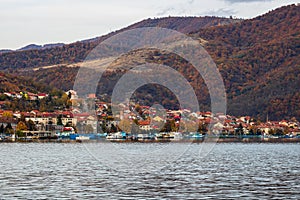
(40, 22)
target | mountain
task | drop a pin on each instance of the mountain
(38, 47)
(76, 52)
(5, 51)
(257, 58)
(184, 24)
(260, 64)
(33, 47)
(30, 47)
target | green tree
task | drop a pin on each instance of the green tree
(169, 126)
(8, 129)
(113, 128)
(1, 128)
(31, 126)
(59, 120)
(3, 97)
(103, 127)
(239, 130)
(202, 128)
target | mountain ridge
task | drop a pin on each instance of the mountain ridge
(258, 59)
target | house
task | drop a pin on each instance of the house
(264, 129)
(295, 132)
(3, 104)
(32, 96)
(158, 119)
(92, 96)
(283, 123)
(8, 94)
(217, 128)
(73, 94)
(42, 95)
(145, 125)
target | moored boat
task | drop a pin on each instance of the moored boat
(117, 135)
(82, 138)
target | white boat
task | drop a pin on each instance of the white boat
(117, 135)
(82, 138)
(177, 136)
(145, 136)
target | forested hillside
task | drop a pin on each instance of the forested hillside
(260, 63)
(77, 52)
(257, 58)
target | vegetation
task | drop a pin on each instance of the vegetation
(257, 58)
(260, 64)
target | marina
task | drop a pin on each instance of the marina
(48, 136)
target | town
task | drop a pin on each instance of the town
(67, 120)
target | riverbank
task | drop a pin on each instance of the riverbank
(200, 140)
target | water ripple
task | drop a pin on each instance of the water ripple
(68, 171)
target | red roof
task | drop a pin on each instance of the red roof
(81, 115)
(144, 123)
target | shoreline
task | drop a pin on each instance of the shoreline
(200, 140)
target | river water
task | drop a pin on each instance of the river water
(93, 171)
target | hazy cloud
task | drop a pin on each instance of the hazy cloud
(246, 1)
(222, 12)
(165, 11)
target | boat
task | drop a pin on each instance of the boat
(146, 136)
(82, 138)
(101, 135)
(73, 136)
(165, 135)
(195, 135)
(117, 135)
(178, 136)
(66, 132)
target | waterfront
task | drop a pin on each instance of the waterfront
(70, 171)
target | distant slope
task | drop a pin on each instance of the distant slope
(76, 52)
(38, 47)
(184, 24)
(5, 51)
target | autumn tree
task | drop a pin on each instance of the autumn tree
(21, 126)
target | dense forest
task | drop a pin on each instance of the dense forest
(13, 83)
(257, 58)
(260, 64)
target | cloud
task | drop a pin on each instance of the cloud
(222, 12)
(165, 11)
(245, 1)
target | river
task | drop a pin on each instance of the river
(149, 171)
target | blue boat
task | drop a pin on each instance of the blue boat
(73, 136)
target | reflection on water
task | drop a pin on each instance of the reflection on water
(51, 170)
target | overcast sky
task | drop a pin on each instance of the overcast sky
(25, 22)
